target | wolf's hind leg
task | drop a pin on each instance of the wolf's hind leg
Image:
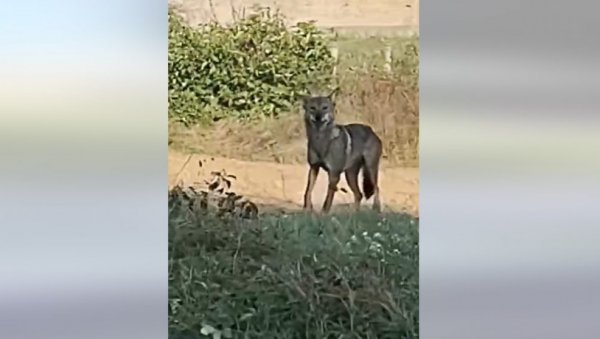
(352, 180)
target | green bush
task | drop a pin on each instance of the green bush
(254, 68)
(342, 276)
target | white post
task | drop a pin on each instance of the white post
(387, 54)
(334, 54)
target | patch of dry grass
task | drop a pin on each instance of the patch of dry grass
(391, 110)
(385, 105)
(279, 140)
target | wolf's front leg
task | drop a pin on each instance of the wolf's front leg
(334, 179)
(313, 172)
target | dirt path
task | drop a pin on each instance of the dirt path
(282, 185)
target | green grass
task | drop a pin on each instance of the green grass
(366, 53)
(294, 276)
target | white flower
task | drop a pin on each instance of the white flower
(376, 247)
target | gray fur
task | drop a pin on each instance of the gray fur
(340, 148)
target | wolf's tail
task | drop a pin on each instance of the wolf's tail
(368, 184)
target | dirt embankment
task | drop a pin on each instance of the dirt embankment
(326, 13)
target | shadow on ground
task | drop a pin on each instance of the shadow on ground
(341, 209)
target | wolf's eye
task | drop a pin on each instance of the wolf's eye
(325, 107)
(313, 108)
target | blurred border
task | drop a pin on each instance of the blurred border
(508, 246)
(83, 125)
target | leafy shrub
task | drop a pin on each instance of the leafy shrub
(256, 67)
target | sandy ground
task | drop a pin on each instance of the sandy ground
(282, 186)
(326, 13)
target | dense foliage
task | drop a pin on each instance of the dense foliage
(256, 67)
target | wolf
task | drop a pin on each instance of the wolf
(339, 148)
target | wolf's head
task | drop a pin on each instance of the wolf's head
(319, 110)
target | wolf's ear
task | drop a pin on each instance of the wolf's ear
(304, 95)
(333, 93)
(305, 99)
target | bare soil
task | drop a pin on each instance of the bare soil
(326, 13)
(281, 186)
